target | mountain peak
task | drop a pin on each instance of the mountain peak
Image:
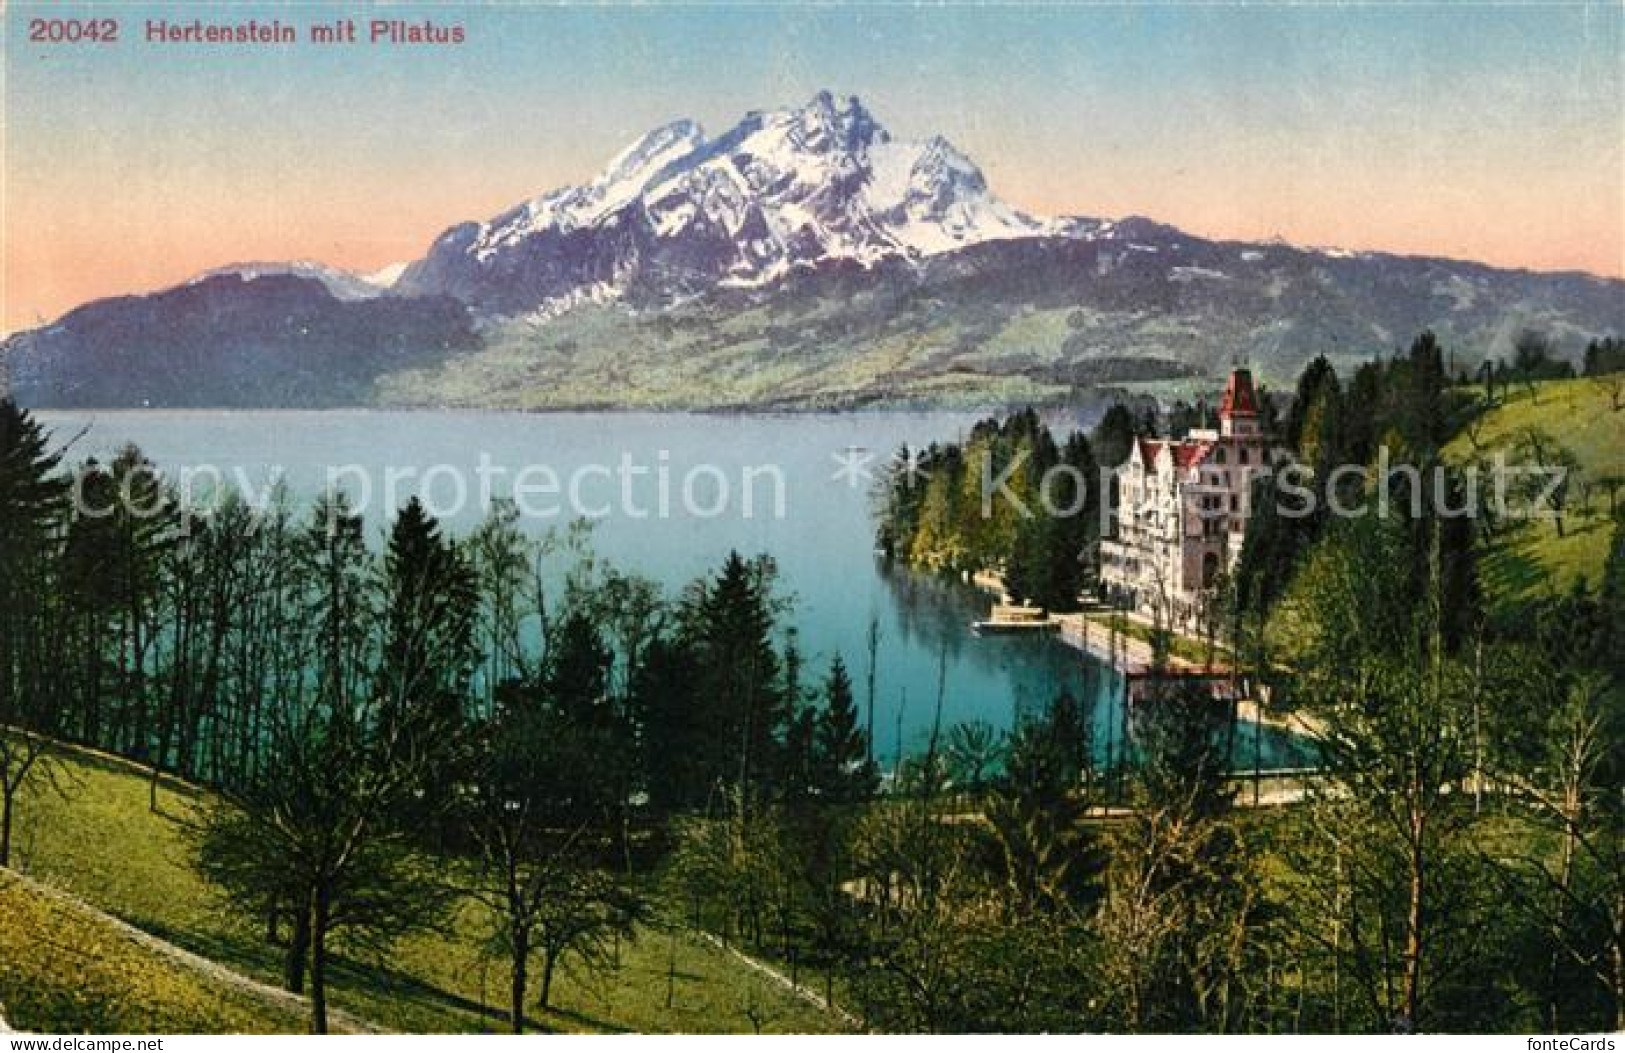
(640, 161)
(844, 126)
(678, 215)
(799, 186)
(942, 165)
(824, 102)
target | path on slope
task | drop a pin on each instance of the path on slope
(338, 1019)
(806, 994)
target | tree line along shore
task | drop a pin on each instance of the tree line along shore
(502, 742)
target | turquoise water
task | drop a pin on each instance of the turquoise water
(809, 509)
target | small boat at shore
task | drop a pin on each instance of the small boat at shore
(1014, 618)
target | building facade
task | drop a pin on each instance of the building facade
(1181, 514)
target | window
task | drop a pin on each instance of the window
(1219, 457)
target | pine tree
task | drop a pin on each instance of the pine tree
(1314, 424)
(1425, 422)
(1047, 860)
(739, 708)
(430, 605)
(139, 537)
(1114, 436)
(578, 670)
(31, 509)
(678, 755)
(841, 772)
(337, 573)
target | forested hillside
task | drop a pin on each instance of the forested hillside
(462, 782)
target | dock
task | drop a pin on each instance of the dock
(1015, 618)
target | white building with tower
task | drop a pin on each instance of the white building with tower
(1181, 514)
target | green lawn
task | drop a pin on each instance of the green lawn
(64, 970)
(1531, 557)
(1188, 648)
(102, 842)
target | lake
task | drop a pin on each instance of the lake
(669, 495)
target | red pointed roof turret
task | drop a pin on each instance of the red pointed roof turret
(1187, 454)
(1240, 400)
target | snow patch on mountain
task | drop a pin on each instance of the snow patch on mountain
(343, 284)
(932, 199)
(570, 208)
(597, 293)
(384, 278)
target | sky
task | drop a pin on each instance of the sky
(1483, 131)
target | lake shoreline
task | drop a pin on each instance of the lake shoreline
(828, 520)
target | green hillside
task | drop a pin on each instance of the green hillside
(65, 969)
(101, 842)
(1532, 556)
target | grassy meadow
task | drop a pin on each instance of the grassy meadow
(100, 841)
(1532, 556)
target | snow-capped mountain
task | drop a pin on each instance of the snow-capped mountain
(343, 284)
(803, 258)
(677, 213)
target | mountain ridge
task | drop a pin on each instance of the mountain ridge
(808, 258)
(678, 213)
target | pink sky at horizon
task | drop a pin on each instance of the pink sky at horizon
(151, 244)
(127, 170)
